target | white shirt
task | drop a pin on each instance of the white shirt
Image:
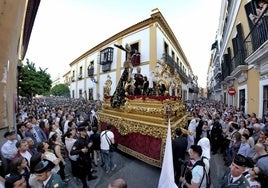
(66, 127)
(52, 157)
(26, 155)
(105, 142)
(69, 142)
(9, 149)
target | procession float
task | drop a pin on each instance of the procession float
(139, 114)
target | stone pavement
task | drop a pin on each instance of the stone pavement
(140, 174)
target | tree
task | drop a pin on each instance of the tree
(60, 90)
(32, 82)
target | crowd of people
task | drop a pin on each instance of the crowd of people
(53, 131)
(49, 133)
(241, 139)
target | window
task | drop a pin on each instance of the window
(134, 46)
(72, 93)
(173, 55)
(166, 47)
(80, 93)
(90, 69)
(73, 76)
(80, 72)
(242, 99)
(106, 56)
(265, 99)
(90, 94)
(135, 54)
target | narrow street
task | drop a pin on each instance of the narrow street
(140, 174)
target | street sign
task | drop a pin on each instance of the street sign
(231, 91)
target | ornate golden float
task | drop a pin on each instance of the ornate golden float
(140, 125)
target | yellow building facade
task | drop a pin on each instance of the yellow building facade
(241, 58)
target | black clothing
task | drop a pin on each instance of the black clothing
(84, 159)
(118, 98)
(179, 147)
(216, 137)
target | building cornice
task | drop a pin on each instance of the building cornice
(155, 17)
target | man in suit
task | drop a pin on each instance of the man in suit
(49, 179)
(179, 147)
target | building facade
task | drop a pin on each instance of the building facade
(153, 45)
(16, 22)
(240, 58)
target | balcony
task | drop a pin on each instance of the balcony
(176, 67)
(73, 78)
(80, 76)
(90, 71)
(217, 72)
(256, 41)
(106, 67)
(217, 86)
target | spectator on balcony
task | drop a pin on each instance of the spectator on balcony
(259, 11)
(261, 18)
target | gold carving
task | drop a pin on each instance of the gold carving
(107, 85)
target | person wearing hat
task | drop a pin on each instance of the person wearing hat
(15, 181)
(49, 179)
(9, 148)
(81, 148)
(234, 175)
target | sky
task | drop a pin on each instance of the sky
(65, 29)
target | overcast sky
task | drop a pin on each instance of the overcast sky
(65, 29)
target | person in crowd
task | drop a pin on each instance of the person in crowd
(179, 147)
(118, 183)
(15, 181)
(58, 147)
(192, 129)
(43, 148)
(242, 126)
(48, 178)
(199, 174)
(256, 132)
(19, 166)
(255, 177)
(9, 149)
(107, 138)
(21, 129)
(38, 133)
(229, 152)
(33, 181)
(234, 175)
(95, 138)
(69, 142)
(44, 127)
(205, 145)
(66, 124)
(244, 147)
(261, 157)
(81, 148)
(23, 150)
(236, 144)
(31, 146)
(263, 136)
(216, 136)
